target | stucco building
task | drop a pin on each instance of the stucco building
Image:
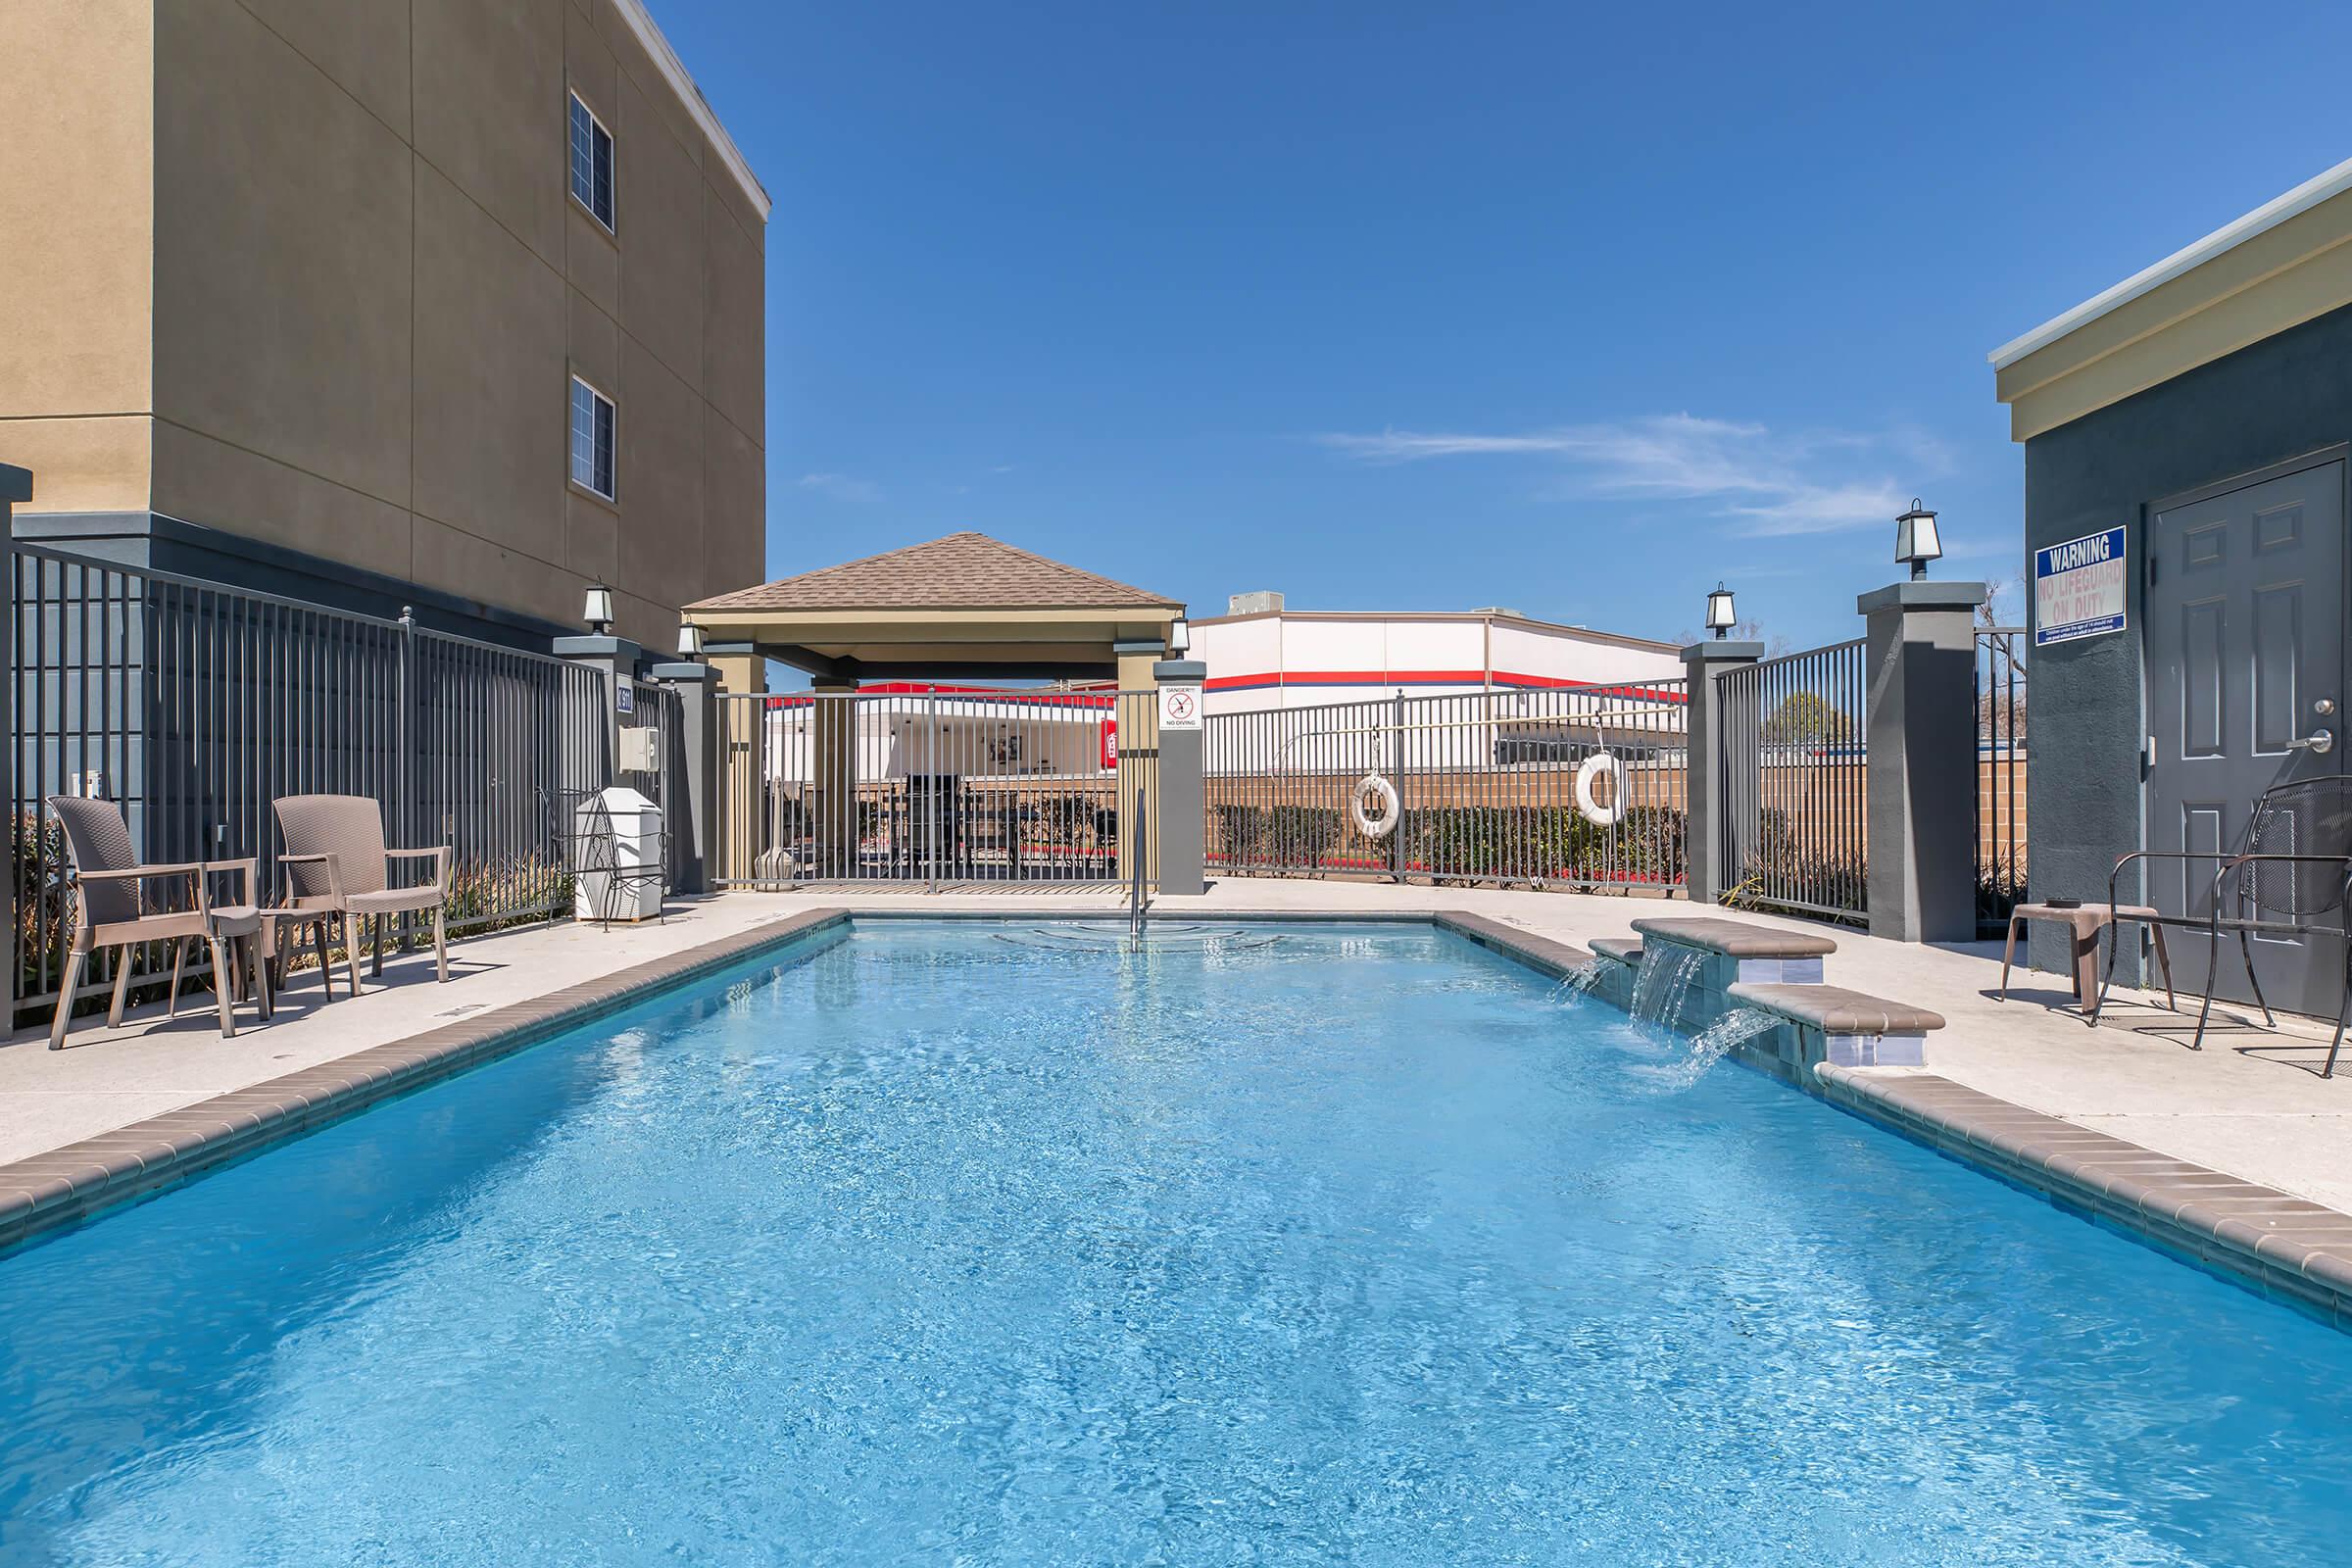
(2185, 437)
(441, 303)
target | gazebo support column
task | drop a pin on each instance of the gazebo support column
(833, 778)
(1139, 754)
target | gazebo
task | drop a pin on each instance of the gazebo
(941, 617)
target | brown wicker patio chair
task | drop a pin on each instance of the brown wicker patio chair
(336, 865)
(111, 911)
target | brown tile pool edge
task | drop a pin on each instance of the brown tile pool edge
(64, 1186)
(2274, 1243)
(2271, 1241)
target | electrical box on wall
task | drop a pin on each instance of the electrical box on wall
(640, 749)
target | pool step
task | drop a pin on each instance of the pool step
(1755, 954)
(1623, 949)
(1842, 1027)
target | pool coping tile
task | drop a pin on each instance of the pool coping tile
(2285, 1247)
(64, 1186)
(2271, 1241)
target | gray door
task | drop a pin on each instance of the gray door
(2245, 653)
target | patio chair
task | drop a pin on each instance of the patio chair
(111, 910)
(2291, 870)
(337, 866)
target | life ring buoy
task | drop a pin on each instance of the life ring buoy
(1588, 806)
(1374, 784)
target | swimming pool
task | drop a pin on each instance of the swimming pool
(1017, 1242)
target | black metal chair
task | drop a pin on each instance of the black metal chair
(2291, 870)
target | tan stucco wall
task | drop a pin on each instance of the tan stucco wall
(76, 103)
(370, 287)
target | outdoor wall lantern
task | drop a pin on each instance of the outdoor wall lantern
(1721, 618)
(1915, 539)
(597, 612)
(1180, 636)
(690, 640)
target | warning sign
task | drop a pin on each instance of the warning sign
(2079, 588)
(1180, 708)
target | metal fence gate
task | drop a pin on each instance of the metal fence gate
(1487, 784)
(1797, 819)
(195, 706)
(929, 786)
(2002, 761)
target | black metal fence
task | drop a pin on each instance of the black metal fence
(2002, 759)
(1580, 787)
(1797, 820)
(195, 706)
(920, 785)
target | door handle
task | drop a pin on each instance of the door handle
(2318, 743)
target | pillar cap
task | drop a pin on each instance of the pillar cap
(16, 484)
(687, 672)
(1922, 596)
(615, 648)
(1722, 653)
(1181, 671)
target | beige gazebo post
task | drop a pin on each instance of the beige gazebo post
(963, 609)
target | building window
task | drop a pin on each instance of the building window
(591, 439)
(591, 162)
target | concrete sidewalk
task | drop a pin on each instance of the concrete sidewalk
(2251, 1105)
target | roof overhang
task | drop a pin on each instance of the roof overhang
(2283, 264)
(1010, 644)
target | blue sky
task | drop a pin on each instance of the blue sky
(1437, 307)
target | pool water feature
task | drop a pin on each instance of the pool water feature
(1355, 1246)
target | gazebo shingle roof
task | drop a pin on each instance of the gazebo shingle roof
(962, 571)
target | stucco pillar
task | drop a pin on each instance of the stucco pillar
(741, 667)
(1139, 755)
(1707, 784)
(1176, 823)
(1922, 778)
(833, 778)
(693, 821)
(614, 659)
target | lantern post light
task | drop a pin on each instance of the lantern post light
(1721, 617)
(597, 608)
(1916, 541)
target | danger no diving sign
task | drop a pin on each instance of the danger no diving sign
(1180, 708)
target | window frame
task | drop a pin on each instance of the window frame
(610, 225)
(572, 433)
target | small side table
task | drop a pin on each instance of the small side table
(237, 935)
(2088, 922)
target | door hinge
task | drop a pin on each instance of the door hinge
(2150, 558)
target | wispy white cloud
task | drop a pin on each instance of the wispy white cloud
(1768, 482)
(841, 487)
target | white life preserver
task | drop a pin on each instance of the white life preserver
(1590, 809)
(1373, 783)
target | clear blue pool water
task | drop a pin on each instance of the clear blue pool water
(985, 1245)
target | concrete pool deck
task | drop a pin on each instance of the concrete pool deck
(2251, 1105)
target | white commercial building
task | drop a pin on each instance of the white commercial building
(1267, 655)
(1522, 691)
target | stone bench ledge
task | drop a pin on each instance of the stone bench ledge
(1738, 939)
(1837, 1010)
